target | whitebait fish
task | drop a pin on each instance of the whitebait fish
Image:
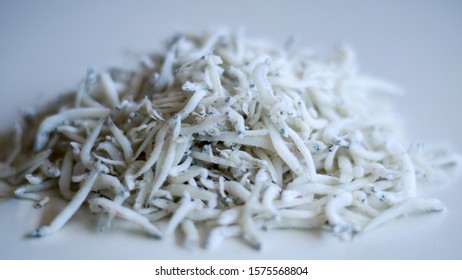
(225, 134)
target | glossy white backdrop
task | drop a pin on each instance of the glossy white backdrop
(46, 47)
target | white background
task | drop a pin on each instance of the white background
(46, 47)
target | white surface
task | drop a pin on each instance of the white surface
(46, 47)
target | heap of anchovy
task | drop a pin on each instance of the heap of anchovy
(227, 133)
